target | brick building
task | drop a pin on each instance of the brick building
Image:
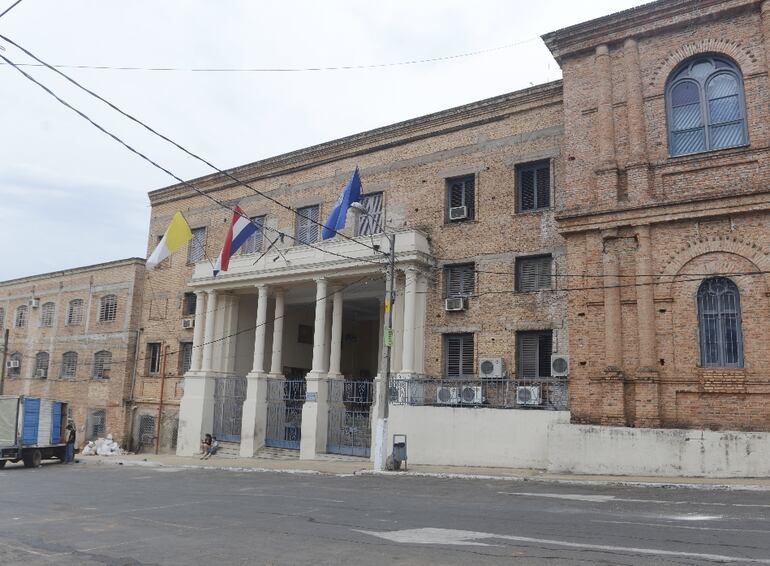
(73, 336)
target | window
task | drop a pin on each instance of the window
(14, 367)
(254, 242)
(75, 312)
(533, 273)
(458, 355)
(102, 365)
(41, 364)
(2, 318)
(185, 357)
(189, 302)
(197, 249)
(96, 424)
(153, 358)
(108, 308)
(534, 354)
(706, 110)
(371, 220)
(533, 186)
(719, 323)
(459, 280)
(307, 225)
(21, 317)
(46, 314)
(461, 198)
(69, 365)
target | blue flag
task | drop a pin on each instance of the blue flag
(336, 219)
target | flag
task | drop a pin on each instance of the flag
(177, 234)
(241, 228)
(336, 219)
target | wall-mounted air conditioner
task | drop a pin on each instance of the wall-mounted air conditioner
(188, 323)
(11, 364)
(559, 365)
(34, 303)
(448, 395)
(458, 213)
(528, 395)
(491, 368)
(454, 304)
(41, 373)
(471, 395)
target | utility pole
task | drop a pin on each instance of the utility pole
(158, 427)
(5, 356)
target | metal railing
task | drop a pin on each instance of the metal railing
(548, 393)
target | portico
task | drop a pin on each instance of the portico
(287, 329)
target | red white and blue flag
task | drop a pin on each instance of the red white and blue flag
(241, 229)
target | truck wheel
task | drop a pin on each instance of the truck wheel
(33, 459)
(2, 464)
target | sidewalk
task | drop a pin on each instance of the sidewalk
(343, 466)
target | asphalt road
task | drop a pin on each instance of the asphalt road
(119, 515)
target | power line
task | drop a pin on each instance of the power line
(283, 69)
(9, 8)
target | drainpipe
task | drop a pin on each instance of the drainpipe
(5, 355)
(160, 403)
(132, 388)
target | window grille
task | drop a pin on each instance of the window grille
(189, 303)
(533, 190)
(197, 250)
(307, 227)
(533, 273)
(15, 371)
(147, 431)
(458, 355)
(41, 364)
(96, 424)
(46, 314)
(461, 191)
(185, 357)
(75, 312)
(2, 318)
(153, 358)
(69, 365)
(371, 221)
(108, 308)
(21, 316)
(102, 365)
(706, 108)
(719, 323)
(459, 280)
(534, 354)
(254, 242)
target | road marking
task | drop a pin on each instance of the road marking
(606, 498)
(28, 551)
(669, 525)
(568, 496)
(456, 537)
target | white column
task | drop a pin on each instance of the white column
(200, 320)
(276, 363)
(208, 333)
(196, 413)
(254, 413)
(410, 315)
(335, 355)
(258, 366)
(319, 331)
(315, 411)
(419, 323)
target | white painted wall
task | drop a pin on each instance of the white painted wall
(460, 436)
(657, 452)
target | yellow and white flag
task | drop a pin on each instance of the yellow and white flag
(177, 234)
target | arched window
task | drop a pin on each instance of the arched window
(719, 323)
(46, 314)
(102, 364)
(75, 312)
(706, 109)
(21, 317)
(41, 364)
(14, 365)
(108, 309)
(69, 365)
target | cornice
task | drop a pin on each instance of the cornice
(75, 270)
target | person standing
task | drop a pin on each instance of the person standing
(69, 453)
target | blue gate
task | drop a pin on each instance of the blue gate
(31, 418)
(350, 429)
(229, 395)
(285, 399)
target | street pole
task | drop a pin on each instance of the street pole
(160, 401)
(5, 356)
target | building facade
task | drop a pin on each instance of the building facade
(72, 335)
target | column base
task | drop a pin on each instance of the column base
(611, 401)
(196, 412)
(315, 416)
(254, 415)
(647, 398)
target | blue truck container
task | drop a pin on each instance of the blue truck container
(31, 429)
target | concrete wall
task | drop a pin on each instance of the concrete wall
(475, 437)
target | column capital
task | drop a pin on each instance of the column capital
(629, 43)
(602, 49)
(319, 280)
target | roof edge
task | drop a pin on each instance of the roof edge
(73, 270)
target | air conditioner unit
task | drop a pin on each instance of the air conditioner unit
(41, 373)
(34, 303)
(188, 323)
(454, 304)
(11, 364)
(471, 395)
(528, 395)
(559, 365)
(448, 395)
(491, 368)
(458, 213)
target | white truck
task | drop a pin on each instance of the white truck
(32, 429)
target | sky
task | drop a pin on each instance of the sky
(71, 196)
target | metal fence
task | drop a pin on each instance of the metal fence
(349, 427)
(543, 394)
(285, 398)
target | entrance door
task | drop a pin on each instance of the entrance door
(285, 399)
(350, 429)
(229, 395)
